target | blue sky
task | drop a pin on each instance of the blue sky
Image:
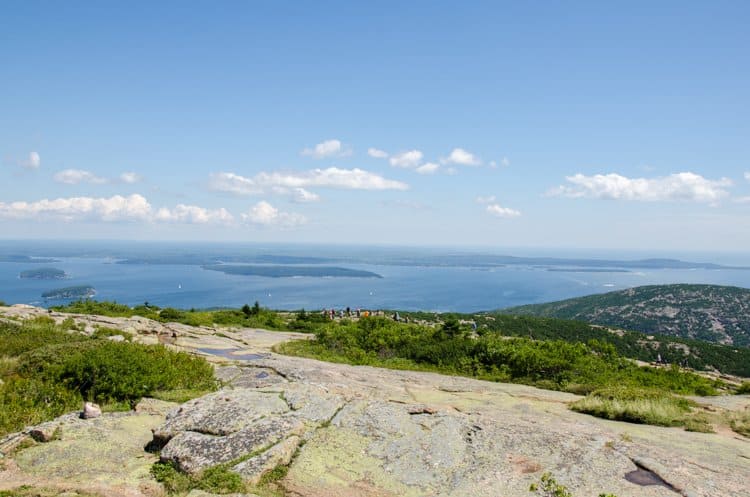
(523, 124)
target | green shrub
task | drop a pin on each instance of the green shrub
(217, 479)
(120, 371)
(25, 402)
(173, 480)
(104, 332)
(220, 480)
(16, 339)
(744, 388)
(552, 364)
(171, 315)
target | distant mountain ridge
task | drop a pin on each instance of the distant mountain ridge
(712, 313)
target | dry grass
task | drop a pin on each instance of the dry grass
(740, 422)
(635, 406)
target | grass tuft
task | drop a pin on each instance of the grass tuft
(635, 406)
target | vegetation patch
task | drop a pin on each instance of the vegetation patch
(104, 332)
(548, 487)
(48, 369)
(216, 480)
(740, 422)
(639, 406)
(450, 349)
(248, 316)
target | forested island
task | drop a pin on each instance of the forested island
(70, 292)
(278, 271)
(43, 273)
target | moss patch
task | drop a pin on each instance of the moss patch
(337, 459)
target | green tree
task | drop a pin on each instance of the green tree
(451, 327)
(246, 310)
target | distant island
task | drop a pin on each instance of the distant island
(70, 292)
(291, 271)
(27, 259)
(43, 273)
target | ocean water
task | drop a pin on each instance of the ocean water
(428, 288)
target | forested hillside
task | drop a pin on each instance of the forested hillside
(719, 314)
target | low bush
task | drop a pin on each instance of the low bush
(553, 364)
(216, 480)
(26, 401)
(120, 371)
(49, 369)
(17, 338)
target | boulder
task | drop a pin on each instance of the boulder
(221, 413)
(91, 410)
(46, 432)
(192, 452)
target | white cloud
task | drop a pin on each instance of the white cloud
(409, 159)
(742, 200)
(377, 153)
(303, 196)
(76, 176)
(116, 208)
(427, 168)
(33, 161)
(328, 148)
(498, 211)
(505, 162)
(280, 182)
(332, 177)
(193, 215)
(685, 186)
(461, 157)
(130, 177)
(266, 214)
(234, 183)
(747, 175)
(485, 200)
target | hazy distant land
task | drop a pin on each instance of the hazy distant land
(43, 273)
(484, 261)
(26, 258)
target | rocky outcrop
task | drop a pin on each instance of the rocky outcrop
(255, 430)
(368, 432)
